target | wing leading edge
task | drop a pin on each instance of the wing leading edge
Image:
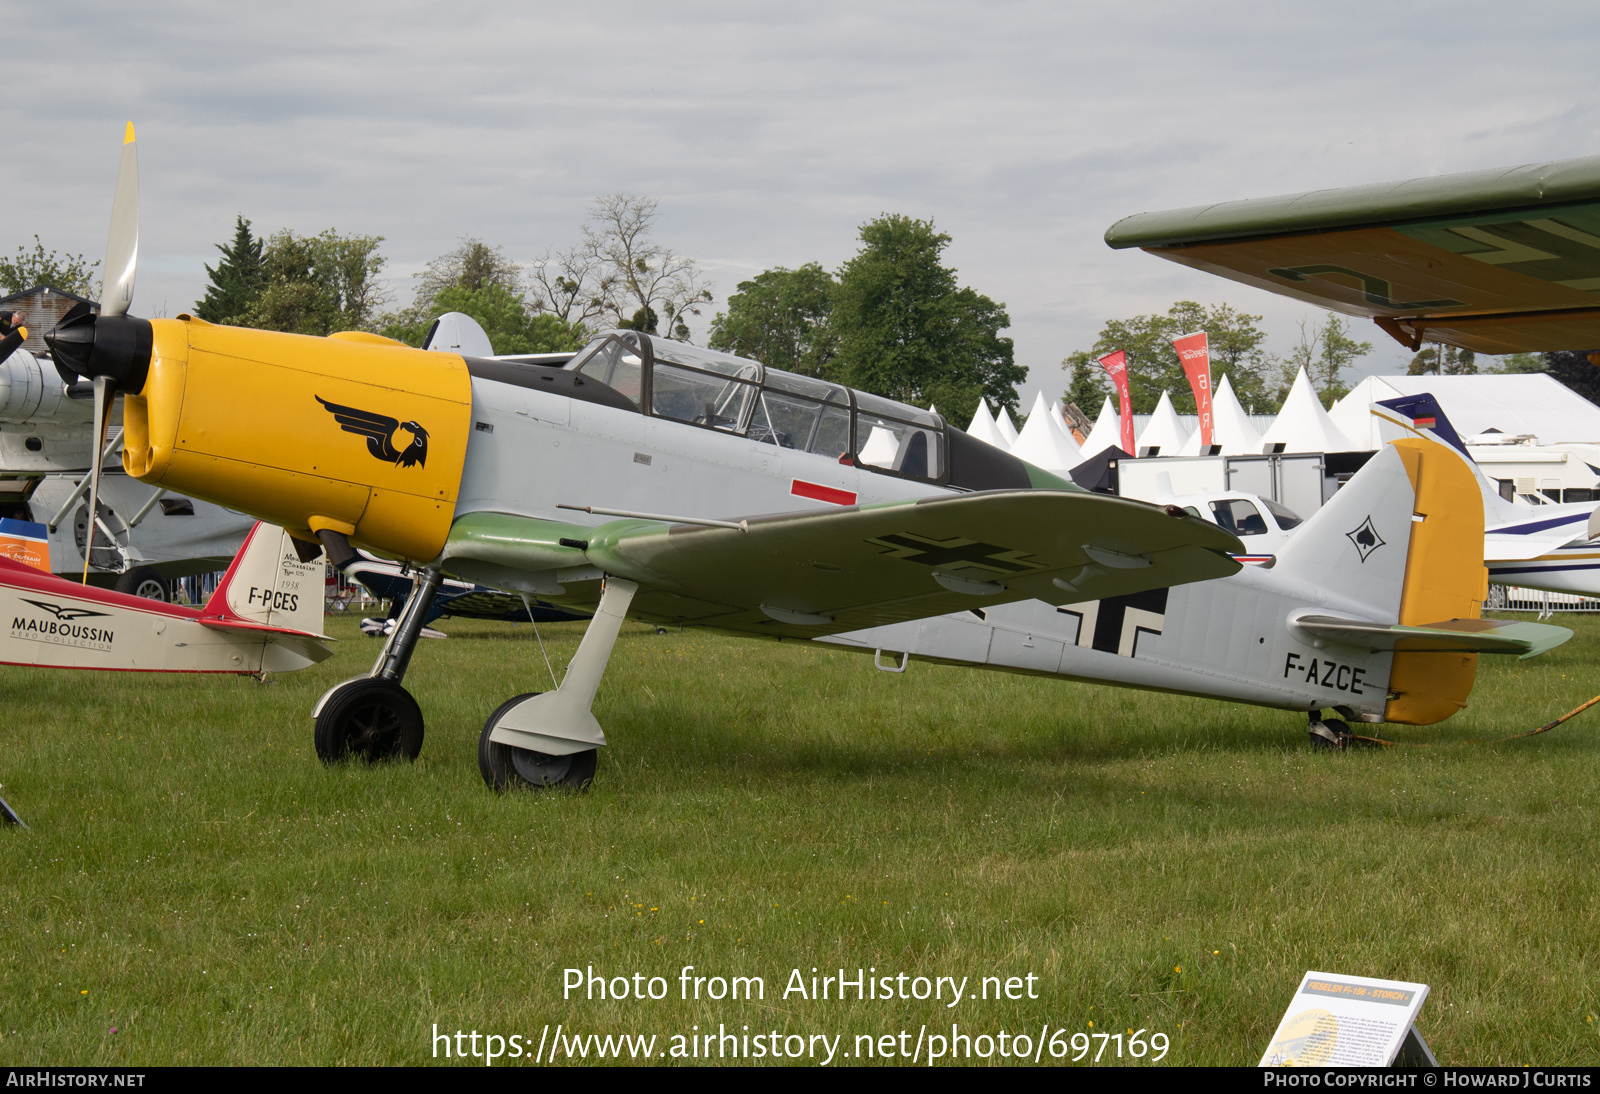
(1495, 261)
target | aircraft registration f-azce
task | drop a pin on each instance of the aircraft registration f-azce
(679, 485)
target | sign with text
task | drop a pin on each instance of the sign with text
(1345, 1021)
(1194, 350)
(1116, 366)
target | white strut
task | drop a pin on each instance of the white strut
(559, 722)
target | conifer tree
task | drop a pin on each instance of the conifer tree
(236, 281)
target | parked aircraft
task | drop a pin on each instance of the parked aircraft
(699, 488)
(265, 616)
(1370, 609)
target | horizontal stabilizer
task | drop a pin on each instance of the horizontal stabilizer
(1452, 636)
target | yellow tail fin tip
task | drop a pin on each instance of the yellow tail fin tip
(127, 135)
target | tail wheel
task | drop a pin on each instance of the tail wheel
(370, 719)
(1330, 733)
(507, 767)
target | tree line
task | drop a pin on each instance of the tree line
(1261, 380)
(893, 319)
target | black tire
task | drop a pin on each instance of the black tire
(146, 582)
(1339, 728)
(507, 767)
(372, 720)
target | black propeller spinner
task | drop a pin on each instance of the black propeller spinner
(85, 345)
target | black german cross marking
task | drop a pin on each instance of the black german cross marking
(945, 552)
(1110, 619)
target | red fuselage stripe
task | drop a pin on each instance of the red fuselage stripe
(817, 492)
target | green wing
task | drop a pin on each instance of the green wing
(811, 573)
(1495, 261)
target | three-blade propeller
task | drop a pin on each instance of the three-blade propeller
(110, 350)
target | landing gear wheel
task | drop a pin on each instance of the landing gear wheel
(1331, 733)
(507, 767)
(371, 719)
(145, 582)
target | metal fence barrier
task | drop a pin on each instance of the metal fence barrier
(1511, 598)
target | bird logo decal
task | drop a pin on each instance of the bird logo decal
(379, 430)
(62, 613)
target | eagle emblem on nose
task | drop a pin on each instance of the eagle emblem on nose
(379, 430)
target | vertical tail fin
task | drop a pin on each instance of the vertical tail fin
(1404, 540)
(1422, 416)
(267, 584)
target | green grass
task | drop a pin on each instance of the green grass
(194, 878)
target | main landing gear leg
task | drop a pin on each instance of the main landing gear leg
(549, 741)
(373, 717)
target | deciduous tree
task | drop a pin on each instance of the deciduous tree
(906, 329)
(69, 273)
(1153, 365)
(1324, 352)
(318, 284)
(781, 318)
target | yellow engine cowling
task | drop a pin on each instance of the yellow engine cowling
(242, 418)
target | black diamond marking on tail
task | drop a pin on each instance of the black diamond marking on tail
(1365, 538)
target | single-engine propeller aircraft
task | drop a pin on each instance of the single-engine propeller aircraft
(677, 484)
(683, 485)
(265, 616)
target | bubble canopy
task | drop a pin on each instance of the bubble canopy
(737, 395)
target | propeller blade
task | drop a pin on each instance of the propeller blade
(105, 389)
(122, 244)
(9, 344)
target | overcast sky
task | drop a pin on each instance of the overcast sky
(769, 133)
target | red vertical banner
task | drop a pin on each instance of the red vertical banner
(1116, 364)
(1194, 350)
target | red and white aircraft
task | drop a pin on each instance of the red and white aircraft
(265, 616)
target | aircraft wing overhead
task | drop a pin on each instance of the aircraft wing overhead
(811, 573)
(1495, 261)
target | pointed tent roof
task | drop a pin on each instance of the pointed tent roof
(1043, 444)
(1164, 430)
(1107, 431)
(1007, 427)
(985, 430)
(1231, 426)
(1303, 426)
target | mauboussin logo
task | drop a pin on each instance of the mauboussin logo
(61, 625)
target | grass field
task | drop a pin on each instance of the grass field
(194, 879)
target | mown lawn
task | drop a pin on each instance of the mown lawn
(195, 880)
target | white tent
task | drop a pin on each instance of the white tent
(1044, 444)
(1230, 425)
(1008, 429)
(1061, 420)
(1164, 430)
(985, 430)
(1303, 426)
(1518, 403)
(1107, 431)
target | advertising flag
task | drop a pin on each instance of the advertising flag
(1116, 365)
(1195, 353)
